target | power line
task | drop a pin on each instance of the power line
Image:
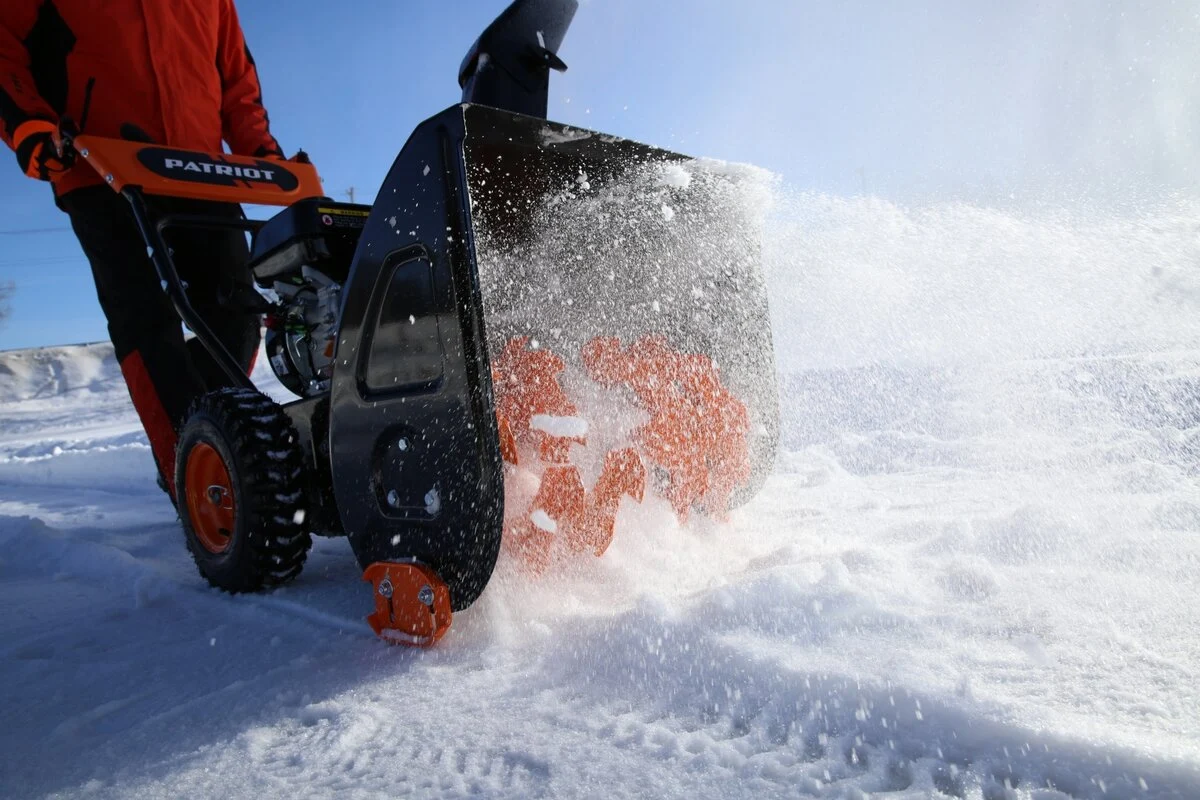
(40, 263)
(24, 231)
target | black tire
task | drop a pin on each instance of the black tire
(267, 542)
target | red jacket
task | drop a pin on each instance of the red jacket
(178, 69)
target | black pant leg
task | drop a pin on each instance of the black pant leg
(213, 262)
(164, 374)
(145, 330)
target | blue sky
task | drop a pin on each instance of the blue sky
(913, 101)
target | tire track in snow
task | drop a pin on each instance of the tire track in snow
(688, 688)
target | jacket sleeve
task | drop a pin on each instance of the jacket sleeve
(244, 122)
(23, 112)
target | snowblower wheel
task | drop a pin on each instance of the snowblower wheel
(239, 477)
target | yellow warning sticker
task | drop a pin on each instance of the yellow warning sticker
(344, 212)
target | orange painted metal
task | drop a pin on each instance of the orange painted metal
(586, 520)
(508, 442)
(697, 433)
(412, 604)
(623, 475)
(211, 505)
(526, 382)
(698, 429)
(526, 385)
(220, 177)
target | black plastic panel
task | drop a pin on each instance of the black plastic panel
(405, 351)
(316, 231)
(311, 418)
(416, 458)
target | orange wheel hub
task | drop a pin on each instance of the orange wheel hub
(210, 500)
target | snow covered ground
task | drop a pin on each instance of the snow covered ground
(969, 577)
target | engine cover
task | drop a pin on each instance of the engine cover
(316, 232)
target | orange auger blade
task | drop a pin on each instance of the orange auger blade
(412, 604)
(526, 385)
(527, 388)
(585, 520)
(561, 499)
(623, 475)
(508, 442)
(697, 431)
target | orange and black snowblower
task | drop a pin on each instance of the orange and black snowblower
(578, 312)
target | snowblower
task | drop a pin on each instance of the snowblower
(518, 291)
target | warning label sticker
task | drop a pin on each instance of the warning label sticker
(343, 217)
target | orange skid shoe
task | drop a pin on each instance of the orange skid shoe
(412, 604)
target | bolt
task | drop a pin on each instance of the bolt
(108, 178)
(385, 588)
(426, 595)
(84, 152)
(393, 498)
(402, 444)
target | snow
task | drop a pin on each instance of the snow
(565, 135)
(562, 427)
(974, 572)
(543, 521)
(674, 175)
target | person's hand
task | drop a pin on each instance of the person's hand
(42, 156)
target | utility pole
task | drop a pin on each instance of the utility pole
(350, 193)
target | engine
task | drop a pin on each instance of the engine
(302, 255)
(301, 336)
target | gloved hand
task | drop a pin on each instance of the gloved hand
(41, 155)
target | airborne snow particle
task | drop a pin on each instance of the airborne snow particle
(675, 177)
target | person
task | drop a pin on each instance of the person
(181, 74)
